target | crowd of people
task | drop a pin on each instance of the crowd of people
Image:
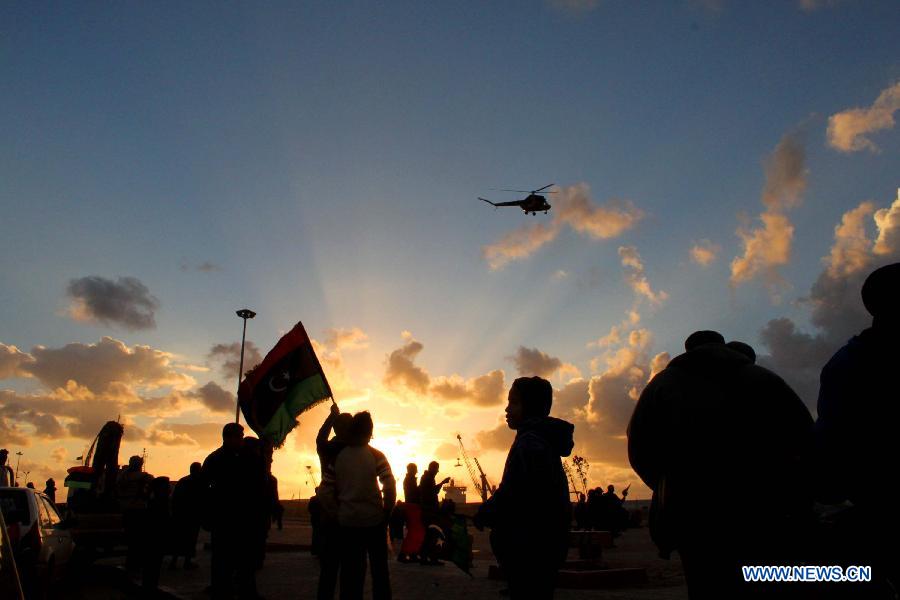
(602, 511)
(712, 417)
(233, 495)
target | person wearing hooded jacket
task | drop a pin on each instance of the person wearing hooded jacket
(856, 438)
(713, 422)
(530, 513)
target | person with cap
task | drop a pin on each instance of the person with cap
(530, 512)
(857, 446)
(713, 417)
(7, 477)
(50, 490)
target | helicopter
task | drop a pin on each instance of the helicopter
(533, 203)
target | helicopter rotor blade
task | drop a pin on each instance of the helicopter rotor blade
(543, 188)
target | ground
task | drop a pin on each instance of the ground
(291, 572)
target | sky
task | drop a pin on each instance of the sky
(715, 165)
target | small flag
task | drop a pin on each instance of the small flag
(460, 544)
(287, 382)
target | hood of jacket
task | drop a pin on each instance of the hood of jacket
(558, 434)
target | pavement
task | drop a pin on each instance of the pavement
(291, 572)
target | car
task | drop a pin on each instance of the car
(41, 540)
(9, 575)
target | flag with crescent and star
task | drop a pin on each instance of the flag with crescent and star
(287, 382)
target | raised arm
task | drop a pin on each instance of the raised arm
(325, 429)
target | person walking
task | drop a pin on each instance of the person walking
(187, 506)
(530, 513)
(363, 511)
(712, 415)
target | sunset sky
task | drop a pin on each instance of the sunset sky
(717, 165)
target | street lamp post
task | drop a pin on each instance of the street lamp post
(244, 313)
(18, 459)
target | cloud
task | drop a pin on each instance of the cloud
(11, 361)
(403, 377)
(519, 243)
(573, 208)
(636, 277)
(531, 361)
(204, 267)
(836, 309)
(229, 357)
(704, 252)
(98, 365)
(59, 455)
(125, 301)
(216, 399)
(402, 372)
(446, 451)
(767, 248)
(848, 130)
(347, 339)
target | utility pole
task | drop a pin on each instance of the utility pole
(18, 458)
(244, 313)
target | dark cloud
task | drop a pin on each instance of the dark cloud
(531, 361)
(125, 301)
(402, 372)
(403, 376)
(229, 357)
(98, 365)
(216, 399)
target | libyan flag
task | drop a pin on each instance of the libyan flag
(287, 382)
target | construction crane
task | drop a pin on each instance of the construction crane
(480, 481)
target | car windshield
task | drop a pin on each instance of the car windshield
(14, 504)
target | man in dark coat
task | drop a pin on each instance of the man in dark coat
(857, 442)
(530, 513)
(229, 476)
(714, 420)
(187, 506)
(429, 489)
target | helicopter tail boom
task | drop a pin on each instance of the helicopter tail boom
(488, 201)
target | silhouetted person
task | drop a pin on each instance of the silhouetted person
(856, 432)
(227, 476)
(187, 506)
(256, 516)
(595, 508)
(530, 513)
(133, 492)
(157, 532)
(581, 512)
(273, 507)
(428, 489)
(616, 516)
(412, 516)
(314, 508)
(7, 476)
(363, 512)
(410, 485)
(745, 349)
(326, 499)
(50, 490)
(30, 485)
(713, 419)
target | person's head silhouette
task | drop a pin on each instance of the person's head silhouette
(412, 469)
(343, 424)
(529, 397)
(135, 463)
(745, 349)
(196, 468)
(881, 294)
(362, 428)
(433, 467)
(232, 436)
(701, 338)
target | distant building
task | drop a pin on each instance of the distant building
(454, 492)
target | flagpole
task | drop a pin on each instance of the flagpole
(244, 313)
